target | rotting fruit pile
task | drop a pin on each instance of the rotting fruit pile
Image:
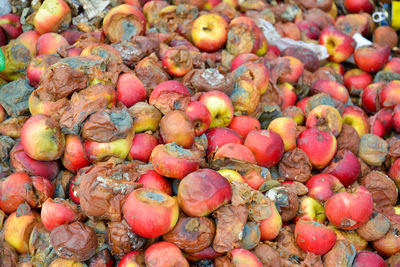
(173, 134)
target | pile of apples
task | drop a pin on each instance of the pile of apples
(226, 151)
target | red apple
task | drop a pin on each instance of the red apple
(49, 43)
(244, 124)
(177, 60)
(319, 146)
(57, 212)
(332, 88)
(176, 127)
(340, 46)
(356, 117)
(372, 58)
(203, 191)
(150, 212)
(244, 258)
(309, 29)
(287, 130)
(323, 186)
(314, 237)
(266, 145)
(358, 6)
(142, 146)
(164, 254)
(220, 136)
(243, 58)
(51, 15)
(11, 25)
(349, 210)
(130, 90)
(368, 259)
(74, 157)
(151, 179)
(235, 151)
(356, 80)
(220, 107)
(345, 166)
(310, 209)
(200, 117)
(370, 97)
(132, 259)
(390, 94)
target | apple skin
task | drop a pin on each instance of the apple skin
(209, 32)
(295, 67)
(200, 117)
(42, 139)
(203, 191)
(74, 157)
(235, 151)
(151, 179)
(164, 254)
(243, 58)
(11, 25)
(386, 35)
(220, 136)
(314, 237)
(340, 46)
(168, 91)
(393, 65)
(368, 259)
(173, 161)
(370, 97)
(310, 209)
(287, 130)
(244, 124)
(358, 6)
(372, 58)
(270, 226)
(253, 71)
(389, 244)
(130, 90)
(325, 118)
(57, 212)
(142, 146)
(385, 116)
(266, 145)
(356, 80)
(322, 186)
(349, 210)
(309, 29)
(289, 97)
(51, 15)
(177, 61)
(49, 43)
(176, 127)
(394, 172)
(16, 189)
(207, 253)
(337, 67)
(132, 259)
(220, 107)
(345, 166)
(150, 212)
(18, 227)
(244, 258)
(98, 151)
(319, 146)
(21, 162)
(332, 88)
(356, 117)
(38, 66)
(128, 19)
(231, 175)
(390, 94)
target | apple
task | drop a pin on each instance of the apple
(243, 58)
(151, 179)
(310, 209)
(319, 146)
(209, 32)
(368, 259)
(244, 258)
(57, 212)
(356, 80)
(289, 97)
(147, 117)
(16, 189)
(372, 58)
(345, 166)
(356, 117)
(164, 254)
(266, 145)
(132, 259)
(325, 118)
(74, 157)
(340, 46)
(203, 191)
(309, 29)
(389, 244)
(173, 161)
(49, 43)
(51, 15)
(389, 96)
(169, 95)
(38, 66)
(220, 136)
(386, 35)
(245, 96)
(332, 88)
(220, 106)
(11, 25)
(314, 237)
(235, 151)
(231, 175)
(244, 124)
(295, 113)
(358, 6)
(21, 162)
(130, 90)
(177, 60)
(176, 127)
(142, 146)
(200, 117)
(337, 67)
(322, 186)
(255, 72)
(350, 209)
(123, 22)
(376, 227)
(150, 212)
(370, 97)
(393, 65)
(270, 226)
(287, 129)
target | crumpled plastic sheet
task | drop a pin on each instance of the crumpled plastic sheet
(92, 8)
(274, 38)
